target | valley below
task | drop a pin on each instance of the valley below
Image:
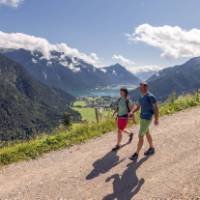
(112, 91)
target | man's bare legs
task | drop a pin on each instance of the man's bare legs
(149, 139)
(151, 149)
(140, 144)
(134, 157)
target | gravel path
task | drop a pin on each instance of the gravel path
(91, 172)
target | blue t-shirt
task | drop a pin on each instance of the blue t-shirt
(146, 102)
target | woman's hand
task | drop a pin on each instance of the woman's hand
(130, 114)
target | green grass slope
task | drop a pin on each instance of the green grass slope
(27, 106)
(65, 138)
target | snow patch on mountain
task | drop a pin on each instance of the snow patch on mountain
(104, 70)
(31, 43)
(45, 75)
(114, 72)
(34, 60)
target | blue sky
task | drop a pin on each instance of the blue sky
(100, 26)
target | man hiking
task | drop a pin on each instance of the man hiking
(123, 108)
(148, 105)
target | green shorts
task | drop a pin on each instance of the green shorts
(144, 126)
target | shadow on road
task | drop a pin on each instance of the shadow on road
(126, 186)
(104, 164)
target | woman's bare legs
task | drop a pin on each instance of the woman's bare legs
(119, 137)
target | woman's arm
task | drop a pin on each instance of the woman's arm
(135, 108)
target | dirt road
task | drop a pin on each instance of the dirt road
(91, 172)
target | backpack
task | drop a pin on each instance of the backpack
(128, 108)
(127, 104)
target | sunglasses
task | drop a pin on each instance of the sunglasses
(143, 84)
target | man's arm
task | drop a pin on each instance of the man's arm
(156, 113)
(130, 105)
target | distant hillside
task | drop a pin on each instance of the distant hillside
(180, 79)
(117, 74)
(27, 106)
(146, 75)
(69, 73)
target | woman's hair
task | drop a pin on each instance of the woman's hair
(125, 90)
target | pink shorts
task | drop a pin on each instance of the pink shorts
(122, 123)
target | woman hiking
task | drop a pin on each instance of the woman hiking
(123, 107)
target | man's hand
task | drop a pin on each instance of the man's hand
(156, 122)
(156, 113)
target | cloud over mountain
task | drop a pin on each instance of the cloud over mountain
(32, 43)
(145, 68)
(12, 3)
(133, 67)
(173, 41)
(122, 60)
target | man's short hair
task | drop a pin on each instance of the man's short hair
(144, 83)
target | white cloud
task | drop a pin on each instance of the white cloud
(32, 43)
(133, 67)
(144, 68)
(12, 3)
(173, 41)
(94, 56)
(122, 60)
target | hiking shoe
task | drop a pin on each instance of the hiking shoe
(130, 138)
(149, 152)
(116, 148)
(134, 157)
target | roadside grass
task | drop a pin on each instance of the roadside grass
(62, 138)
(174, 105)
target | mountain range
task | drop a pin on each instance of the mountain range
(181, 79)
(69, 73)
(34, 90)
(28, 106)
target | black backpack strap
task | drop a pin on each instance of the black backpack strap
(117, 107)
(127, 105)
